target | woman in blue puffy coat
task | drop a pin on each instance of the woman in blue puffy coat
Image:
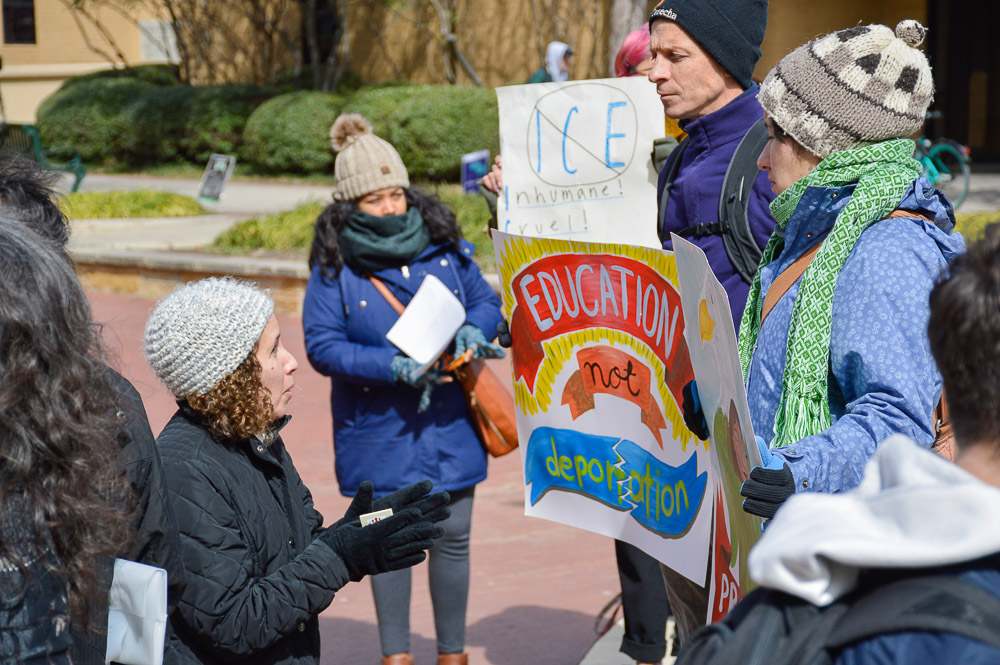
(391, 424)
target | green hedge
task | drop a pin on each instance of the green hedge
(121, 121)
(290, 133)
(128, 119)
(431, 126)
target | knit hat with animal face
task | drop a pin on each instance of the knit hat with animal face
(851, 88)
(365, 163)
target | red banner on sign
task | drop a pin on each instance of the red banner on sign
(570, 292)
(613, 372)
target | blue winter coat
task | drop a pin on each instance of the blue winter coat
(694, 198)
(378, 434)
(883, 379)
(928, 647)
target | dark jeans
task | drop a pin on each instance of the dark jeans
(644, 604)
(448, 568)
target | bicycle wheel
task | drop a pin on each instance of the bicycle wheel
(953, 178)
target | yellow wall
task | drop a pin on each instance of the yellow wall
(504, 41)
(31, 72)
(794, 22)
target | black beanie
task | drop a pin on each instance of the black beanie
(730, 30)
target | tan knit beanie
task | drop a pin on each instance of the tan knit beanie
(851, 88)
(365, 163)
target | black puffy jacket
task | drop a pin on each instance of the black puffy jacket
(255, 576)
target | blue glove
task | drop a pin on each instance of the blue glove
(694, 417)
(404, 370)
(471, 337)
(769, 461)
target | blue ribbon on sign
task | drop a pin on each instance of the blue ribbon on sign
(617, 473)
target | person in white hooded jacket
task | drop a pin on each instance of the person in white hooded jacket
(914, 509)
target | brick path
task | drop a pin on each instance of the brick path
(536, 586)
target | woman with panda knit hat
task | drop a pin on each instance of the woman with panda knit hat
(836, 359)
(391, 423)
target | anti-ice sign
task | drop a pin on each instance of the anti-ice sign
(577, 160)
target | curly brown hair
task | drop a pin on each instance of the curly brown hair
(238, 406)
(59, 459)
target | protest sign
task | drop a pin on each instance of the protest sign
(474, 166)
(577, 160)
(601, 352)
(711, 337)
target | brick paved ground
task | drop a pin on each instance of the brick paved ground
(536, 586)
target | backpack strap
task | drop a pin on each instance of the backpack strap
(939, 603)
(734, 198)
(669, 175)
(741, 246)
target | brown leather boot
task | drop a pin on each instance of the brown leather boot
(398, 659)
(453, 659)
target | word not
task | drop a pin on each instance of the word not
(617, 473)
(604, 369)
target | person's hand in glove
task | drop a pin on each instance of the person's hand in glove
(433, 507)
(405, 370)
(503, 334)
(394, 543)
(768, 485)
(694, 417)
(470, 337)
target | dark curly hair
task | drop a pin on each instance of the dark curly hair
(238, 406)
(27, 195)
(58, 420)
(325, 250)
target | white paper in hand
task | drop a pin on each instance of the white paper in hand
(137, 614)
(429, 322)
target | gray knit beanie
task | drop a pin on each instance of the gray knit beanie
(365, 163)
(851, 88)
(201, 332)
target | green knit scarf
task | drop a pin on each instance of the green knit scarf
(883, 172)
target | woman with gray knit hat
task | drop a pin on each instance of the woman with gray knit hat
(833, 341)
(393, 424)
(259, 565)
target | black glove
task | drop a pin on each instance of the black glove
(394, 543)
(766, 490)
(433, 507)
(694, 417)
(360, 505)
(503, 334)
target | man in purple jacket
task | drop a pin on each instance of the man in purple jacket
(704, 53)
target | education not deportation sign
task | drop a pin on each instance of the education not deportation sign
(600, 356)
(577, 160)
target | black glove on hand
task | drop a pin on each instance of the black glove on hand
(416, 496)
(503, 334)
(694, 417)
(360, 505)
(394, 543)
(766, 490)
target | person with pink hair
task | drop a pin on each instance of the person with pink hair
(633, 57)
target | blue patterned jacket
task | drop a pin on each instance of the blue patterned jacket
(883, 380)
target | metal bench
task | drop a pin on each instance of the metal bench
(24, 139)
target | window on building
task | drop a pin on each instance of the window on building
(19, 21)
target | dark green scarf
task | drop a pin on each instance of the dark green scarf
(370, 244)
